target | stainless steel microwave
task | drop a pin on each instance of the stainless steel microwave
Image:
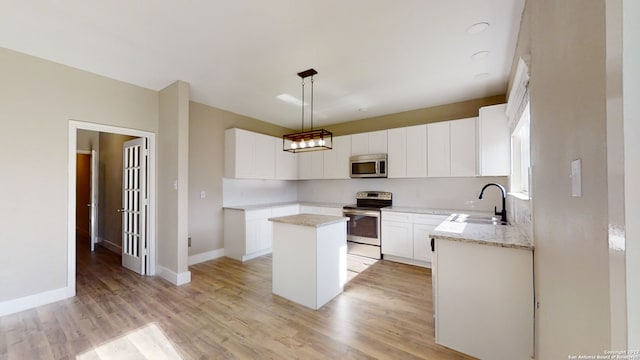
(368, 166)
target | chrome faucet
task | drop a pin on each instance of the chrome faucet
(503, 213)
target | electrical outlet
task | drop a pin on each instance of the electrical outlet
(189, 241)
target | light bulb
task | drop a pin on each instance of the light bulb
(321, 142)
(312, 143)
(302, 144)
(294, 145)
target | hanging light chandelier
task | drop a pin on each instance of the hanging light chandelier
(310, 140)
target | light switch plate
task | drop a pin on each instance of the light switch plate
(576, 178)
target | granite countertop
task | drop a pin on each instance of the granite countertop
(430, 211)
(418, 210)
(322, 204)
(310, 220)
(485, 234)
(270, 205)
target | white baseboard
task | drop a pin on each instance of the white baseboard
(256, 254)
(32, 301)
(173, 277)
(110, 245)
(399, 259)
(206, 256)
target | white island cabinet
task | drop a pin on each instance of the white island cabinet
(309, 258)
(483, 290)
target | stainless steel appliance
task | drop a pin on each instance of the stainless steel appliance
(368, 166)
(363, 227)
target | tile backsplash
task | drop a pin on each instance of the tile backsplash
(519, 213)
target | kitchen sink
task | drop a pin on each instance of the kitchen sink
(478, 219)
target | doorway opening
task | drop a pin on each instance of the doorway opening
(120, 197)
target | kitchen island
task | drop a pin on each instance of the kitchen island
(483, 289)
(309, 258)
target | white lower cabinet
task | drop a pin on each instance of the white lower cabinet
(422, 242)
(405, 236)
(483, 299)
(397, 239)
(249, 233)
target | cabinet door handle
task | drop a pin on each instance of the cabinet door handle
(433, 245)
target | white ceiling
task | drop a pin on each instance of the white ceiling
(380, 56)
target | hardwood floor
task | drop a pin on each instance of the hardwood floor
(226, 312)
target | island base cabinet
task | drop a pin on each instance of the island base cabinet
(484, 299)
(309, 263)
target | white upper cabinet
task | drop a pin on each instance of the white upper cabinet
(463, 147)
(311, 165)
(397, 152)
(438, 149)
(336, 160)
(250, 155)
(236, 154)
(494, 141)
(374, 142)
(360, 144)
(407, 152)
(265, 156)
(286, 163)
(451, 148)
(378, 142)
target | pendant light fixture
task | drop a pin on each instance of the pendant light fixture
(310, 140)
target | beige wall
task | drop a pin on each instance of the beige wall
(110, 189)
(206, 170)
(87, 140)
(173, 178)
(37, 100)
(615, 175)
(631, 111)
(568, 113)
(460, 110)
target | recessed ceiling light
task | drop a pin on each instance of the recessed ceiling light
(481, 76)
(477, 28)
(289, 99)
(363, 109)
(479, 55)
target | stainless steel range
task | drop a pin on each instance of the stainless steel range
(363, 227)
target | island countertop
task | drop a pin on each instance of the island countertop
(310, 220)
(484, 234)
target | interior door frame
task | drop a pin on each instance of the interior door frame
(74, 126)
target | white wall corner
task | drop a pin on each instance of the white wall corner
(173, 277)
(29, 302)
(206, 256)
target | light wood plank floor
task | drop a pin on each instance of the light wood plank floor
(227, 312)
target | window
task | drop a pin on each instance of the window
(521, 155)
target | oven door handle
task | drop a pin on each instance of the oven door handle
(361, 212)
